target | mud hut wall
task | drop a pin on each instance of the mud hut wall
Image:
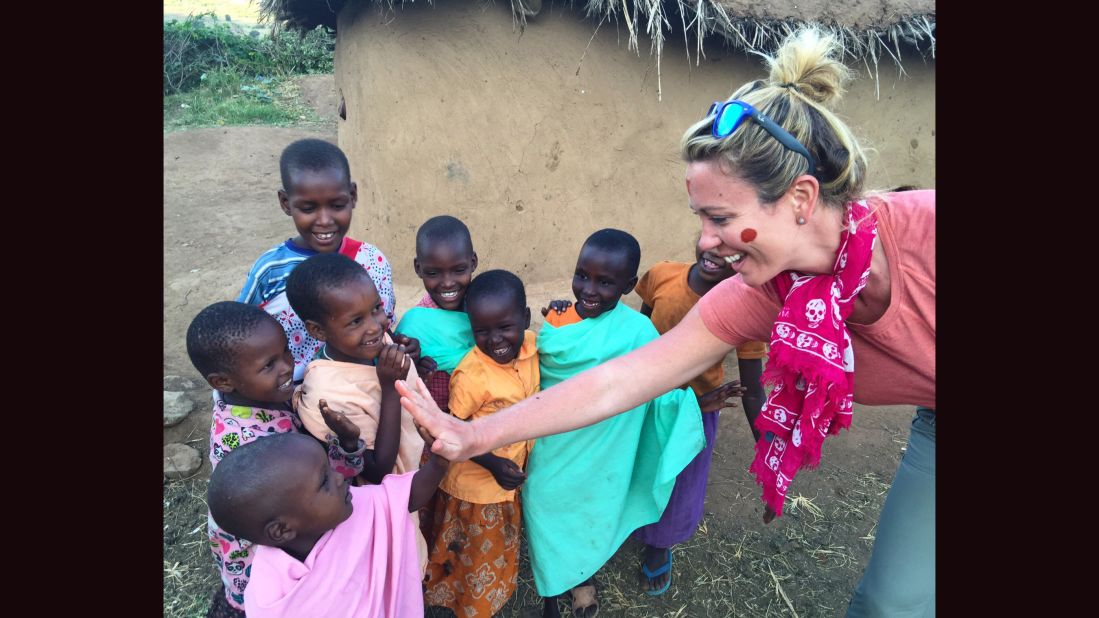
(536, 139)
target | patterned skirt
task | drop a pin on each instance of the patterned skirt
(474, 563)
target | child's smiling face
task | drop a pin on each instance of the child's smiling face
(712, 268)
(355, 321)
(320, 203)
(263, 368)
(600, 280)
(499, 325)
(446, 269)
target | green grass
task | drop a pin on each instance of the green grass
(228, 98)
(216, 75)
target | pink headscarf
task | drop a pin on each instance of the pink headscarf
(811, 363)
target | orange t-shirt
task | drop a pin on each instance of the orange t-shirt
(480, 386)
(570, 316)
(894, 356)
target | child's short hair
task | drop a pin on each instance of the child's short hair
(311, 278)
(494, 284)
(314, 155)
(217, 330)
(440, 229)
(617, 241)
(243, 491)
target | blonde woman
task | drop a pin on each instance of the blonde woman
(841, 282)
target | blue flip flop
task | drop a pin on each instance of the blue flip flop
(664, 568)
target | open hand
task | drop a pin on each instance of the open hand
(715, 400)
(346, 431)
(428, 439)
(560, 306)
(393, 364)
(455, 440)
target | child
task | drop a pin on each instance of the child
(325, 548)
(357, 363)
(445, 261)
(669, 290)
(242, 353)
(588, 489)
(474, 564)
(318, 194)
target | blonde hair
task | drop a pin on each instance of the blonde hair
(805, 78)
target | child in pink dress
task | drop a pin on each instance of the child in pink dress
(325, 548)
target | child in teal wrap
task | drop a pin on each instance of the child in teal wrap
(588, 489)
(445, 262)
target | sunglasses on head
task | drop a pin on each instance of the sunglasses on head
(731, 114)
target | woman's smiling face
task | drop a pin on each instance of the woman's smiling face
(736, 225)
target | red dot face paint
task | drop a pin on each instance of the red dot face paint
(748, 235)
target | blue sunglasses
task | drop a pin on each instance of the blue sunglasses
(730, 115)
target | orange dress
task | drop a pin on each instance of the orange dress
(473, 567)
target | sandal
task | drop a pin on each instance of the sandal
(664, 568)
(584, 603)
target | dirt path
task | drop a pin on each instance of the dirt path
(220, 213)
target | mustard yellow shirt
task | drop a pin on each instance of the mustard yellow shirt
(480, 386)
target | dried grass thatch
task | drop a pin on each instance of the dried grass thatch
(868, 30)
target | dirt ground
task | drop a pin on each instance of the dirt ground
(220, 213)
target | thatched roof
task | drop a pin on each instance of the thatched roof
(869, 30)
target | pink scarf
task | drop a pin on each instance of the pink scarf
(811, 364)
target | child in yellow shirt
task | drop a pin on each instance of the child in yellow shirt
(474, 562)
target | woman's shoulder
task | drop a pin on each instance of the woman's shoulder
(909, 221)
(905, 210)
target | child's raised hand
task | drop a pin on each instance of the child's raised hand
(507, 474)
(716, 399)
(346, 431)
(560, 306)
(393, 364)
(411, 346)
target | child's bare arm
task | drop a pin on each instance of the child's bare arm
(393, 364)
(427, 478)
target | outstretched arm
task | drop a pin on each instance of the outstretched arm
(585, 399)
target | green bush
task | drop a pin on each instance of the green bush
(200, 45)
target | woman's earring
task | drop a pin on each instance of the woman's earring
(801, 220)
